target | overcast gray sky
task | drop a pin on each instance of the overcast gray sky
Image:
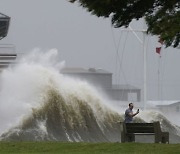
(83, 40)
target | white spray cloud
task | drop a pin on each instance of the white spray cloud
(22, 86)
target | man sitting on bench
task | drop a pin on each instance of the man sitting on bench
(129, 114)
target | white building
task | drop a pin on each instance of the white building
(103, 79)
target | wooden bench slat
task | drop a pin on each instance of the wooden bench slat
(139, 124)
(144, 133)
(139, 127)
(140, 131)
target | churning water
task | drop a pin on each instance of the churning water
(38, 103)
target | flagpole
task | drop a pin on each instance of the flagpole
(145, 71)
(144, 61)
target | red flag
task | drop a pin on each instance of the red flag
(158, 50)
(159, 46)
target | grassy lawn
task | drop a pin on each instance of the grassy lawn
(87, 148)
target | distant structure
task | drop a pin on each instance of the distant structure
(7, 55)
(7, 51)
(171, 111)
(170, 108)
(103, 80)
(4, 25)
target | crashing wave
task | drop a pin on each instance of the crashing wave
(69, 119)
(48, 106)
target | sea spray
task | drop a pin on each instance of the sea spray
(22, 86)
(46, 105)
(39, 103)
(151, 115)
(66, 122)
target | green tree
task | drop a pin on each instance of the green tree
(162, 16)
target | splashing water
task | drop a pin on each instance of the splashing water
(37, 102)
(22, 86)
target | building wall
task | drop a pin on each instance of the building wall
(100, 80)
(104, 81)
(123, 94)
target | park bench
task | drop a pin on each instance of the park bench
(129, 130)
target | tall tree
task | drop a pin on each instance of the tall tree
(162, 16)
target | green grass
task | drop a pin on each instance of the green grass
(87, 148)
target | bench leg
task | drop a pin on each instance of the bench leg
(130, 138)
(123, 137)
(157, 138)
(162, 138)
(165, 137)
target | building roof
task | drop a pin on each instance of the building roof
(167, 105)
(3, 16)
(4, 25)
(79, 70)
